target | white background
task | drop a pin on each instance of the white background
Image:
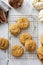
(27, 9)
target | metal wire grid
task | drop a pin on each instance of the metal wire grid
(33, 30)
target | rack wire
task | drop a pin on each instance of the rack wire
(33, 30)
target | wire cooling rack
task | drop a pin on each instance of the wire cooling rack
(33, 30)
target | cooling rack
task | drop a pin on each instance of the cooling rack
(33, 30)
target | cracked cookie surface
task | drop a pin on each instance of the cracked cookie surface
(4, 43)
(30, 45)
(23, 23)
(40, 53)
(17, 51)
(14, 29)
(24, 37)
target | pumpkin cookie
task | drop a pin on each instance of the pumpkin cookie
(15, 3)
(23, 23)
(30, 45)
(24, 37)
(42, 39)
(40, 53)
(14, 29)
(4, 43)
(17, 51)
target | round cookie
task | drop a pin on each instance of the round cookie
(15, 3)
(38, 4)
(23, 23)
(42, 39)
(14, 29)
(40, 16)
(4, 43)
(24, 37)
(17, 51)
(40, 53)
(30, 45)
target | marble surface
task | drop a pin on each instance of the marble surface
(26, 9)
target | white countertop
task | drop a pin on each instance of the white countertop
(26, 9)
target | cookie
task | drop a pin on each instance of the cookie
(40, 53)
(38, 4)
(40, 16)
(24, 37)
(30, 45)
(0, 42)
(23, 23)
(3, 17)
(15, 3)
(17, 51)
(4, 43)
(14, 29)
(42, 39)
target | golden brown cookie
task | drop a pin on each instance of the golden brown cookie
(4, 43)
(30, 45)
(14, 29)
(23, 23)
(42, 39)
(40, 53)
(15, 3)
(24, 37)
(17, 51)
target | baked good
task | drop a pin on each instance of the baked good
(40, 53)
(38, 4)
(24, 37)
(14, 29)
(15, 3)
(0, 42)
(30, 45)
(40, 16)
(17, 51)
(34, 2)
(42, 39)
(2, 16)
(4, 43)
(23, 23)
